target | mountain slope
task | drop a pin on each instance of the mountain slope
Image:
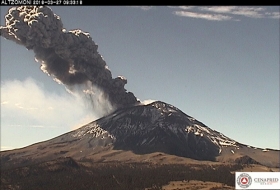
(142, 130)
(156, 127)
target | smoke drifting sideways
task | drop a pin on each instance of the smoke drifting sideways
(71, 58)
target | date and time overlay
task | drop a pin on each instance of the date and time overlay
(41, 2)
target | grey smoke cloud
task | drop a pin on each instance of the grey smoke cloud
(70, 57)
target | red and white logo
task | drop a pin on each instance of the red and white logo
(244, 180)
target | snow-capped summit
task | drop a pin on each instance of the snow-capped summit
(155, 127)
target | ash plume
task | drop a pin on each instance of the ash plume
(70, 57)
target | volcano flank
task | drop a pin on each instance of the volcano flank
(142, 129)
(157, 133)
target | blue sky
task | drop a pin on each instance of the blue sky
(217, 64)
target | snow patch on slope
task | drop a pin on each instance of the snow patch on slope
(93, 130)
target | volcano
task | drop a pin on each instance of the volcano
(136, 147)
(141, 130)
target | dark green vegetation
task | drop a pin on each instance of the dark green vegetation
(66, 173)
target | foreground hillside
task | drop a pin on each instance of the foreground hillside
(153, 171)
(66, 173)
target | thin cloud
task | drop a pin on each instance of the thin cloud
(219, 9)
(37, 126)
(253, 12)
(14, 125)
(184, 7)
(222, 13)
(4, 102)
(35, 107)
(145, 8)
(273, 15)
(216, 17)
(31, 126)
(85, 120)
